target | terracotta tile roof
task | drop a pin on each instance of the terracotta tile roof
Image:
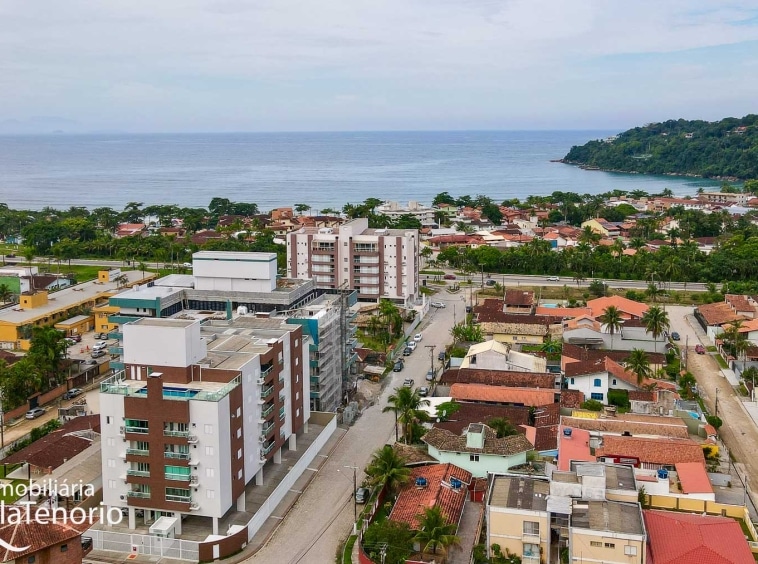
(446, 441)
(412, 500)
(498, 378)
(563, 312)
(739, 303)
(693, 477)
(54, 449)
(665, 427)
(589, 361)
(501, 394)
(630, 307)
(37, 536)
(718, 313)
(546, 438)
(518, 298)
(640, 395)
(574, 447)
(748, 326)
(482, 413)
(653, 451)
(413, 454)
(683, 538)
(571, 398)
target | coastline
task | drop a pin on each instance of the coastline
(584, 166)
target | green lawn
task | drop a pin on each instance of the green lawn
(8, 491)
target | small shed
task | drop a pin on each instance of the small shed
(77, 325)
(164, 527)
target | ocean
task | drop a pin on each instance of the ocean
(323, 170)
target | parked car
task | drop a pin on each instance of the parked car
(34, 413)
(75, 337)
(69, 342)
(72, 393)
(469, 309)
(490, 282)
(430, 375)
(417, 337)
(437, 304)
(408, 383)
(101, 335)
(407, 351)
(362, 495)
(99, 346)
(553, 279)
(423, 391)
(398, 366)
(89, 362)
(449, 277)
(187, 264)
(699, 349)
(675, 336)
(411, 345)
(441, 356)
(97, 354)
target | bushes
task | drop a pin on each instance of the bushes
(592, 405)
(714, 420)
(619, 398)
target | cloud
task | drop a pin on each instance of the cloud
(247, 62)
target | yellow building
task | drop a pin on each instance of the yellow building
(41, 308)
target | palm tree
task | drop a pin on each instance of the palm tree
(639, 363)
(407, 405)
(5, 293)
(656, 322)
(387, 469)
(612, 320)
(502, 427)
(435, 531)
(143, 267)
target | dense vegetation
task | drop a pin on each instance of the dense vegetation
(700, 148)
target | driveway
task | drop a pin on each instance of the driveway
(322, 518)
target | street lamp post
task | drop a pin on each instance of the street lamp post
(717, 402)
(355, 489)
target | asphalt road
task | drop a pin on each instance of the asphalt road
(323, 516)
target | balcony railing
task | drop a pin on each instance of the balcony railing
(267, 392)
(172, 433)
(179, 498)
(143, 495)
(267, 428)
(118, 384)
(267, 371)
(140, 473)
(177, 455)
(141, 430)
(266, 449)
(178, 477)
(282, 413)
(266, 412)
(116, 350)
(137, 452)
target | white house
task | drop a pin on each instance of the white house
(494, 355)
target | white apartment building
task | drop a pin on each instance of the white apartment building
(197, 412)
(378, 263)
(423, 213)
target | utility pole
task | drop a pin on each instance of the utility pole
(355, 489)
(431, 358)
(717, 402)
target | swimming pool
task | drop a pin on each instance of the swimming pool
(170, 392)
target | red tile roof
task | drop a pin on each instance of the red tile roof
(683, 538)
(718, 313)
(36, 536)
(653, 451)
(630, 307)
(518, 298)
(563, 311)
(498, 378)
(574, 447)
(501, 394)
(693, 477)
(412, 500)
(54, 449)
(482, 413)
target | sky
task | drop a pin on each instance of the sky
(352, 65)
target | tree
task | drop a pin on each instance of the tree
(387, 469)
(639, 363)
(5, 293)
(434, 531)
(300, 208)
(46, 351)
(612, 319)
(407, 405)
(395, 537)
(502, 427)
(656, 322)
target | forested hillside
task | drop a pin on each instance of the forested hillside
(727, 148)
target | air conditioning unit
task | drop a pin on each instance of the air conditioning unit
(122, 497)
(121, 430)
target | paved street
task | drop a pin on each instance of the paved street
(323, 516)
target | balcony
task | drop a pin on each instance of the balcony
(266, 412)
(266, 371)
(266, 449)
(116, 351)
(119, 385)
(267, 392)
(282, 413)
(177, 455)
(138, 494)
(267, 429)
(140, 430)
(365, 260)
(138, 473)
(172, 433)
(116, 335)
(322, 259)
(180, 498)
(137, 452)
(178, 477)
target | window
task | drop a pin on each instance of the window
(210, 472)
(112, 484)
(572, 381)
(473, 457)
(473, 359)
(596, 396)
(110, 441)
(209, 451)
(531, 550)
(31, 560)
(630, 550)
(596, 544)
(597, 383)
(108, 419)
(239, 453)
(610, 545)
(111, 463)
(614, 381)
(532, 528)
(210, 494)
(208, 429)
(64, 548)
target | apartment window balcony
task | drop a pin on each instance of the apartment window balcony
(176, 455)
(365, 260)
(172, 433)
(322, 268)
(138, 494)
(178, 477)
(282, 413)
(116, 351)
(180, 498)
(134, 428)
(266, 449)
(367, 280)
(116, 335)
(266, 412)
(267, 428)
(324, 279)
(138, 473)
(137, 452)
(266, 371)
(267, 392)
(365, 247)
(366, 290)
(323, 259)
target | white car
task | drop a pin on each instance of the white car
(99, 346)
(553, 279)
(187, 264)
(417, 337)
(437, 304)
(411, 345)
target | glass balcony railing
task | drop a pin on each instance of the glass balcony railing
(267, 392)
(143, 495)
(139, 473)
(266, 412)
(266, 449)
(177, 455)
(178, 477)
(173, 433)
(137, 452)
(118, 384)
(141, 430)
(180, 498)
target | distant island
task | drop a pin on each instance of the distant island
(726, 149)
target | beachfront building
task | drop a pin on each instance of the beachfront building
(197, 412)
(393, 210)
(378, 263)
